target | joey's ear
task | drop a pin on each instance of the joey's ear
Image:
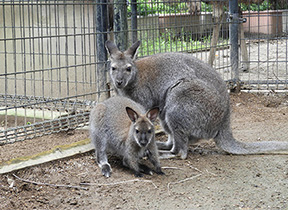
(132, 114)
(132, 51)
(152, 114)
(111, 47)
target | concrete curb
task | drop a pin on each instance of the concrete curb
(56, 153)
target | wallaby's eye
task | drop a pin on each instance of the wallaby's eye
(113, 68)
(128, 69)
(137, 131)
(149, 131)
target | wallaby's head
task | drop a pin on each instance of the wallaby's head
(122, 69)
(143, 128)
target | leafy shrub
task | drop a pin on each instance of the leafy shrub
(149, 7)
(266, 5)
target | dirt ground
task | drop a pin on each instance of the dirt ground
(207, 179)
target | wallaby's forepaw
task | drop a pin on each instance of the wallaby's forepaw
(159, 172)
(106, 170)
(138, 174)
(145, 169)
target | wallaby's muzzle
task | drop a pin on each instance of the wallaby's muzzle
(143, 140)
(119, 83)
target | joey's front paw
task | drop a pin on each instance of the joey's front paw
(106, 170)
(160, 173)
(145, 169)
(138, 174)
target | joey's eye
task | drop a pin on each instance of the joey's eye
(113, 68)
(137, 131)
(128, 69)
(150, 131)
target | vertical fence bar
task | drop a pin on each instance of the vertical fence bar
(134, 20)
(233, 35)
(101, 37)
(120, 24)
(5, 68)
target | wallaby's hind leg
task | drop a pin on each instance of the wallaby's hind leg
(177, 141)
(180, 146)
(167, 145)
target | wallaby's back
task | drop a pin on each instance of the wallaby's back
(162, 71)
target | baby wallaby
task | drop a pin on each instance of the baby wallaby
(191, 95)
(121, 127)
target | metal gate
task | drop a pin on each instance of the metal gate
(54, 63)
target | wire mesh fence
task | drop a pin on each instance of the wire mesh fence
(48, 67)
(265, 35)
(54, 63)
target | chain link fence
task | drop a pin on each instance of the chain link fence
(54, 63)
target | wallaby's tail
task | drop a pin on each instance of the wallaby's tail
(228, 143)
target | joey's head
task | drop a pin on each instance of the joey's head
(143, 128)
(122, 68)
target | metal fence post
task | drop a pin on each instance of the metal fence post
(101, 36)
(233, 35)
(120, 24)
(134, 20)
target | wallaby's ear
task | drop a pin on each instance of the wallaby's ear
(152, 114)
(132, 114)
(132, 51)
(111, 47)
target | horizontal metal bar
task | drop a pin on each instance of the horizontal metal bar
(47, 100)
(49, 69)
(21, 133)
(49, 36)
(266, 82)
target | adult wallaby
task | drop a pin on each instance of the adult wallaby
(121, 127)
(191, 95)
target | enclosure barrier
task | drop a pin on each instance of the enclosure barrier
(54, 63)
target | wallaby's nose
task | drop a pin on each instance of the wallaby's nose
(119, 82)
(143, 140)
(143, 143)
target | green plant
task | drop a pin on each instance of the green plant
(266, 5)
(148, 7)
(206, 7)
(173, 43)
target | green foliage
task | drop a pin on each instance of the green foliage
(149, 7)
(168, 42)
(206, 7)
(281, 4)
(266, 5)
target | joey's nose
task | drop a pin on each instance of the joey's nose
(143, 143)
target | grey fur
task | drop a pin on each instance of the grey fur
(192, 97)
(121, 126)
